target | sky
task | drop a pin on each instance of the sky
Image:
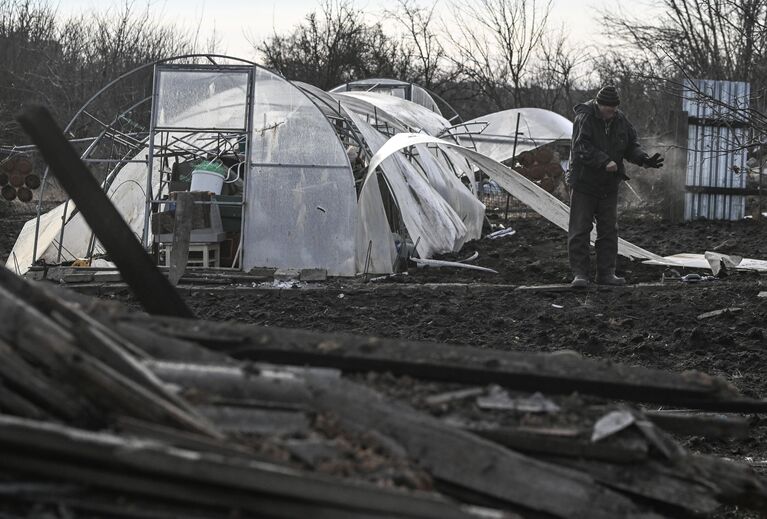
(239, 22)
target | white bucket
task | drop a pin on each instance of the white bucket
(207, 181)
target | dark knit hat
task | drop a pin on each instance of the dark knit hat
(608, 96)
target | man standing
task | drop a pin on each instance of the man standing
(602, 139)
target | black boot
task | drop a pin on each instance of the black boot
(580, 281)
(610, 278)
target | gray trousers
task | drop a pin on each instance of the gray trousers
(584, 208)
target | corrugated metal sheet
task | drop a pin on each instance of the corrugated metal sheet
(715, 156)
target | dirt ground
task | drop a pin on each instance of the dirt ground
(653, 326)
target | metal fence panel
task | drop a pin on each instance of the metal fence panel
(716, 156)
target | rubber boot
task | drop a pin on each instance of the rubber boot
(580, 281)
(610, 279)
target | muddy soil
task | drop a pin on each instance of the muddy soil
(649, 326)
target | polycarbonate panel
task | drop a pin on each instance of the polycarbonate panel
(201, 99)
(300, 197)
(411, 115)
(536, 128)
(393, 87)
(288, 128)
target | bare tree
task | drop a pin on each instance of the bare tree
(557, 73)
(420, 42)
(332, 46)
(60, 63)
(718, 39)
(493, 43)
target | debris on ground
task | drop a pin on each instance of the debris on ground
(106, 409)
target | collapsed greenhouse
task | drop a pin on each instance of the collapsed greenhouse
(286, 164)
(288, 176)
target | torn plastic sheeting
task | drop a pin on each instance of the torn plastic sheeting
(515, 184)
(461, 164)
(710, 261)
(50, 229)
(469, 208)
(429, 219)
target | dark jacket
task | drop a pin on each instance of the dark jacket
(597, 142)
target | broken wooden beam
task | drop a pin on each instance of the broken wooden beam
(557, 442)
(46, 343)
(490, 469)
(147, 468)
(700, 424)
(548, 373)
(151, 288)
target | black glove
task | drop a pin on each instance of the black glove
(656, 161)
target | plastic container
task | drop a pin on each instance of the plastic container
(209, 177)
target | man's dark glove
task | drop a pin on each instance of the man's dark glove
(656, 161)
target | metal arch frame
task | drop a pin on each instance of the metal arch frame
(409, 89)
(98, 94)
(154, 129)
(95, 141)
(340, 114)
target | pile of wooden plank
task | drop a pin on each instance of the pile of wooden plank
(108, 413)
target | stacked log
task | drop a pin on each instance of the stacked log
(17, 179)
(542, 166)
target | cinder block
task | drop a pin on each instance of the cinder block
(286, 274)
(314, 274)
(107, 277)
(78, 277)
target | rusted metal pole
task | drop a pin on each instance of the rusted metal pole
(150, 287)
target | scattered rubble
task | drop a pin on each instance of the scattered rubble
(217, 420)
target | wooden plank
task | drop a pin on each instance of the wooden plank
(15, 404)
(50, 345)
(700, 424)
(114, 391)
(162, 347)
(190, 495)
(131, 427)
(248, 420)
(151, 288)
(555, 374)
(182, 230)
(448, 453)
(650, 481)
(694, 482)
(52, 450)
(465, 460)
(40, 391)
(232, 382)
(545, 442)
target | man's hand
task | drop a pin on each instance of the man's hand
(656, 161)
(611, 167)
